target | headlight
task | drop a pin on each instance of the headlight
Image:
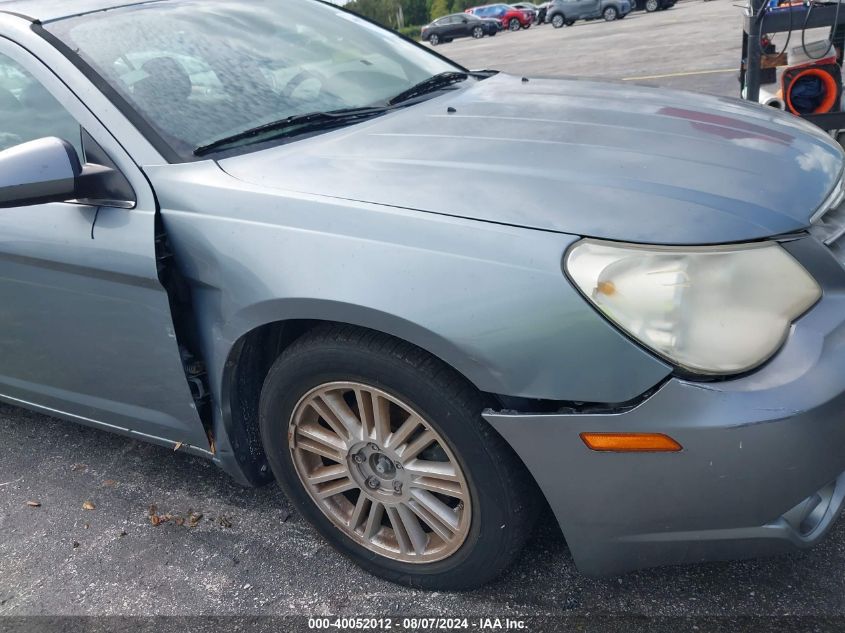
(710, 310)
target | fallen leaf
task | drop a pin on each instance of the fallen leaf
(153, 510)
(86, 526)
(111, 483)
(33, 504)
(154, 519)
(224, 522)
(178, 446)
(180, 521)
(80, 466)
(88, 505)
(195, 518)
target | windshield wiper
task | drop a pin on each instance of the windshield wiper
(432, 84)
(297, 123)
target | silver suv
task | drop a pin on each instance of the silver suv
(566, 12)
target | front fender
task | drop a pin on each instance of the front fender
(488, 299)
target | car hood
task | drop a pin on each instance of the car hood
(613, 161)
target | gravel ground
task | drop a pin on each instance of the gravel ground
(249, 555)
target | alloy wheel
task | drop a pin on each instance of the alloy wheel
(651, 6)
(514, 25)
(380, 473)
(557, 21)
(478, 32)
(610, 14)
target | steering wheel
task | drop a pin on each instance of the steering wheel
(298, 79)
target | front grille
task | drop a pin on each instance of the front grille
(828, 225)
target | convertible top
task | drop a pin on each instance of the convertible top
(49, 10)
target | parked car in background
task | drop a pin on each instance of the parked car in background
(451, 27)
(510, 18)
(539, 11)
(567, 12)
(652, 5)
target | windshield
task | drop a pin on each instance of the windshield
(197, 71)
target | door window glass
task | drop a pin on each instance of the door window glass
(28, 111)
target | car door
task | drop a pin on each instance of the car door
(463, 25)
(447, 27)
(86, 330)
(460, 26)
(588, 8)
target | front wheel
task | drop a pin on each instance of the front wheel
(434, 40)
(558, 21)
(382, 447)
(652, 5)
(610, 14)
(514, 24)
(478, 32)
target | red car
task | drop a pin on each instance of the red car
(511, 18)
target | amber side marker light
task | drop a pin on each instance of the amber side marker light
(630, 442)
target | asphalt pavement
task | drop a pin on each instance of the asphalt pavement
(249, 554)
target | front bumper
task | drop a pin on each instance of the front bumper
(761, 471)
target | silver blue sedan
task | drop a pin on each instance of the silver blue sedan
(427, 301)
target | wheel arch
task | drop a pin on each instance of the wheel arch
(247, 365)
(258, 345)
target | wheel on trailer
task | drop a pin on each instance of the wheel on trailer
(382, 447)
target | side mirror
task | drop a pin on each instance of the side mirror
(44, 170)
(49, 170)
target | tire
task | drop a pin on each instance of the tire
(610, 14)
(434, 39)
(652, 5)
(501, 499)
(514, 25)
(477, 32)
(558, 21)
(570, 22)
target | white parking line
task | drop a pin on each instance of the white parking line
(684, 74)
